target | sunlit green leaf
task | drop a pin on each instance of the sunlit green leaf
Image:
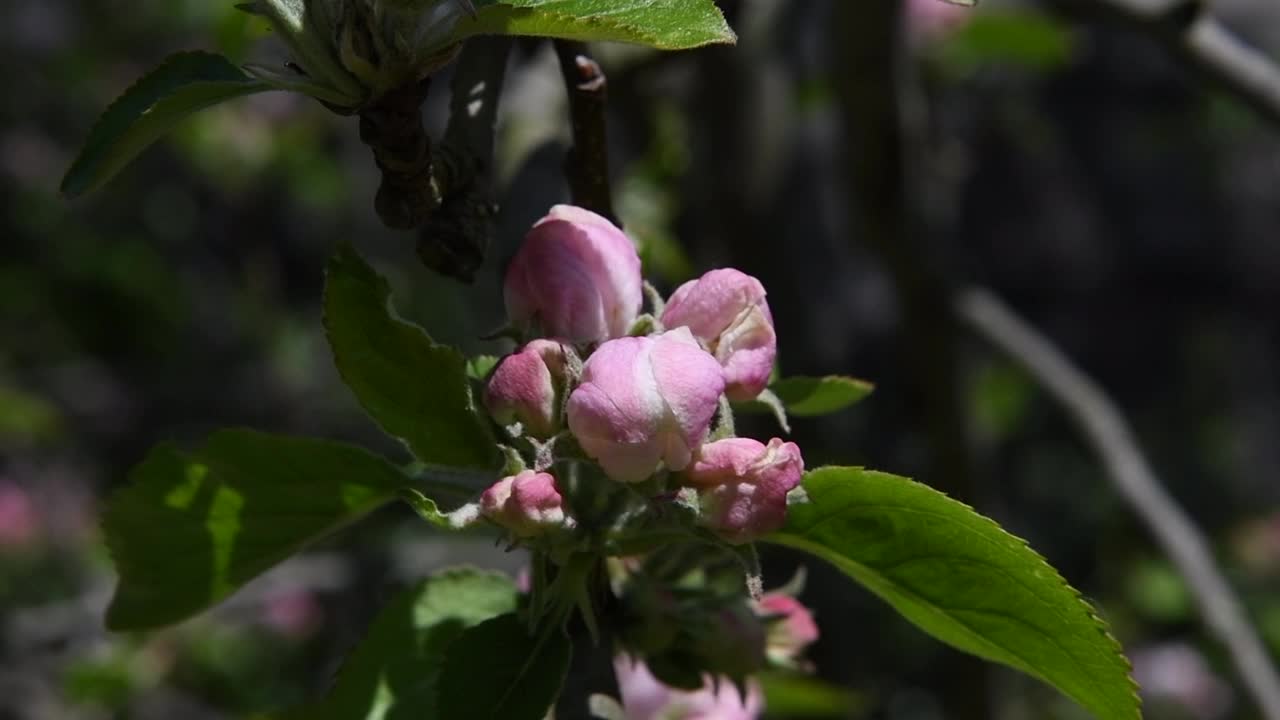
(394, 670)
(190, 529)
(182, 85)
(663, 24)
(960, 577)
(415, 389)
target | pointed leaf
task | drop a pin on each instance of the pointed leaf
(663, 24)
(498, 670)
(189, 529)
(394, 670)
(184, 84)
(809, 396)
(960, 577)
(415, 389)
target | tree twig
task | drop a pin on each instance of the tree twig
(1111, 438)
(587, 164)
(1201, 41)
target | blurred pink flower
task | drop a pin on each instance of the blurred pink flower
(292, 613)
(932, 20)
(1178, 672)
(645, 400)
(645, 698)
(20, 522)
(725, 309)
(789, 636)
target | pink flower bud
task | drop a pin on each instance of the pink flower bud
(526, 504)
(526, 387)
(792, 631)
(645, 400)
(743, 485)
(644, 697)
(726, 310)
(577, 277)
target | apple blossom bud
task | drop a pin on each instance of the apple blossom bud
(644, 697)
(743, 485)
(645, 400)
(576, 277)
(526, 387)
(726, 310)
(526, 504)
(791, 629)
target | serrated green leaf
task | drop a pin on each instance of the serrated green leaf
(498, 670)
(182, 85)
(662, 24)
(190, 529)
(960, 577)
(415, 389)
(393, 671)
(810, 396)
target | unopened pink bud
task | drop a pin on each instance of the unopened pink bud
(791, 632)
(743, 485)
(526, 504)
(644, 401)
(726, 310)
(576, 277)
(526, 387)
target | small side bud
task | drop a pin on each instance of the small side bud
(528, 504)
(526, 387)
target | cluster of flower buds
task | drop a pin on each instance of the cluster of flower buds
(639, 394)
(692, 645)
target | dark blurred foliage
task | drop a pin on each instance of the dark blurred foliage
(1069, 165)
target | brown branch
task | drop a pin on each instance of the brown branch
(586, 166)
(1111, 438)
(1202, 42)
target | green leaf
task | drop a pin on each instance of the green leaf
(810, 396)
(960, 577)
(498, 670)
(662, 24)
(184, 84)
(415, 389)
(189, 529)
(393, 671)
(792, 695)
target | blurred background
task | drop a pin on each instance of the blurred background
(1064, 161)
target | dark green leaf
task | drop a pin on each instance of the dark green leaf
(415, 389)
(960, 577)
(792, 695)
(497, 670)
(810, 396)
(184, 84)
(392, 673)
(189, 529)
(663, 24)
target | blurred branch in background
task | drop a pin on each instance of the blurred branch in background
(1109, 435)
(872, 84)
(1200, 40)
